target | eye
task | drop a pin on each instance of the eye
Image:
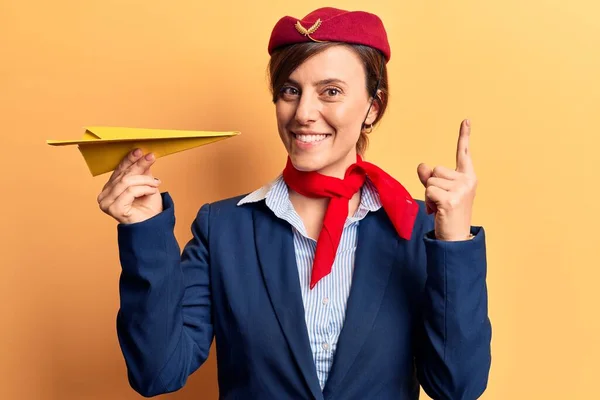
(333, 92)
(289, 91)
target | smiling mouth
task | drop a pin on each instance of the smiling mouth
(310, 138)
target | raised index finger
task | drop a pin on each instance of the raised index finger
(463, 156)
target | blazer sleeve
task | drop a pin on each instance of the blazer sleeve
(453, 357)
(164, 323)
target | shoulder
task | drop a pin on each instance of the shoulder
(229, 204)
(230, 208)
(237, 212)
(424, 222)
(222, 218)
(265, 199)
(224, 209)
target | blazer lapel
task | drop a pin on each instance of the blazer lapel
(276, 254)
(376, 252)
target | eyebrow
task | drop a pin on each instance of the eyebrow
(321, 82)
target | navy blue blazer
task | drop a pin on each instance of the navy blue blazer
(416, 314)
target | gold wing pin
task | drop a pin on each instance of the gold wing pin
(307, 32)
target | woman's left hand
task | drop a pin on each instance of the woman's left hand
(450, 193)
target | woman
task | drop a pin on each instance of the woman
(391, 294)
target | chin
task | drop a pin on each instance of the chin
(307, 162)
(322, 159)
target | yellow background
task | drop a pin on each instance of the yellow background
(527, 73)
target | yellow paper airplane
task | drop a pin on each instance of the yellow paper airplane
(103, 147)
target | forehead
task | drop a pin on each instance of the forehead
(336, 62)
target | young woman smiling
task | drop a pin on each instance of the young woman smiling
(331, 282)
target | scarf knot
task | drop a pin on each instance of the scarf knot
(344, 188)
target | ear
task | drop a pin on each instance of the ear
(374, 110)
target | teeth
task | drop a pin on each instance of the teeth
(310, 138)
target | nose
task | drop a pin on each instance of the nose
(308, 109)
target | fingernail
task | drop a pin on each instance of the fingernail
(137, 152)
(150, 157)
(468, 123)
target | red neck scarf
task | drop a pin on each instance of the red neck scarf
(400, 207)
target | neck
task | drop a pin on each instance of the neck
(312, 210)
(319, 205)
(338, 169)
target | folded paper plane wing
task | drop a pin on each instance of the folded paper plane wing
(103, 148)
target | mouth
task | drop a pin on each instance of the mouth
(310, 137)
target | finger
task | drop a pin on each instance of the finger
(132, 157)
(433, 196)
(463, 156)
(430, 206)
(122, 205)
(436, 195)
(445, 173)
(424, 173)
(442, 183)
(142, 166)
(127, 181)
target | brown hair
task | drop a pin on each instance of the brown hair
(284, 61)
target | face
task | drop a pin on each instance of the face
(321, 109)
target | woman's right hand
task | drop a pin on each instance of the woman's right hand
(131, 194)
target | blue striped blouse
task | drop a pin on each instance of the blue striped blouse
(325, 305)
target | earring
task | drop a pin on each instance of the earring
(368, 128)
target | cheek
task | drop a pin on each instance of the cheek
(283, 112)
(281, 117)
(346, 119)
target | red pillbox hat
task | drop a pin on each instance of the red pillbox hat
(332, 25)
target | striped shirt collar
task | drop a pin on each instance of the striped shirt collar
(276, 196)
